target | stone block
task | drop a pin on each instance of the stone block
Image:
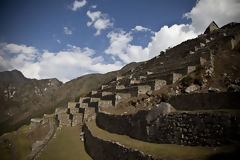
(149, 73)
(106, 93)
(94, 99)
(202, 45)
(64, 119)
(77, 119)
(207, 40)
(159, 109)
(82, 99)
(203, 61)
(105, 103)
(120, 87)
(104, 87)
(60, 110)
(94, 92)
(234, 41)
(134, 81)
(84, 105)
(119, 78)
(72, 104)
(191, 52)
(191, 69)
(35, 122)
(158, 84)
(119, 97)
(192, 88)
(73, 110)
(143, 89)
(89, 114)
(142, 77)
(176, 77)
(196, 49)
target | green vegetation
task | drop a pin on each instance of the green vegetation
(66, 145)
(16, 145)
(163, 151)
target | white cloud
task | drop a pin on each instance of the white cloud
(99, 21)
(94, 6)
(78, 4)
(120, 47)
(64, 65)
(221, 11)
(67, 31)
(120, 43)
(141, 28)
(59, 41)
(170, 37)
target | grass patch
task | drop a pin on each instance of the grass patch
(66, 145)
(163, 151)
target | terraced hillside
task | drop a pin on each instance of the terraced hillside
(182, 104)
(184, 96)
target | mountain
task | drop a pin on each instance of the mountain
(22, 98)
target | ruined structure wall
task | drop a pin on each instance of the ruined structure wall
(201, 101)
(100, 149)
(203, 128)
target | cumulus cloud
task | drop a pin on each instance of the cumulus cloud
(78, 4)
(99, 21)
(120, 43)
(141, 28)
(64, 65)
(67, 31)
(94, 6)
(221, 11)
(59, 41)
(120, 47)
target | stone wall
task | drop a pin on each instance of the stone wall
(200, 101)
(38, 146)
(185, 128)
(143, 89)
(119, 97)
(158, 84)
(100, 149)
(105, 103)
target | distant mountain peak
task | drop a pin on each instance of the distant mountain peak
(14, 76)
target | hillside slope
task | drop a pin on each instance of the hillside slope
(22, 98)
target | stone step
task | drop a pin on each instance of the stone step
(98, 141)
(155, 84)
(169, 78)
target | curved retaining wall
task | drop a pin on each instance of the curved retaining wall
(200, 101)
(100, 149)
(186, 128)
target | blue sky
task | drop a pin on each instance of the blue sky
(68, 38)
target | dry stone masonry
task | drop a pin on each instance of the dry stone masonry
(177, 122)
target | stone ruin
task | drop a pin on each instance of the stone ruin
(163, 123)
